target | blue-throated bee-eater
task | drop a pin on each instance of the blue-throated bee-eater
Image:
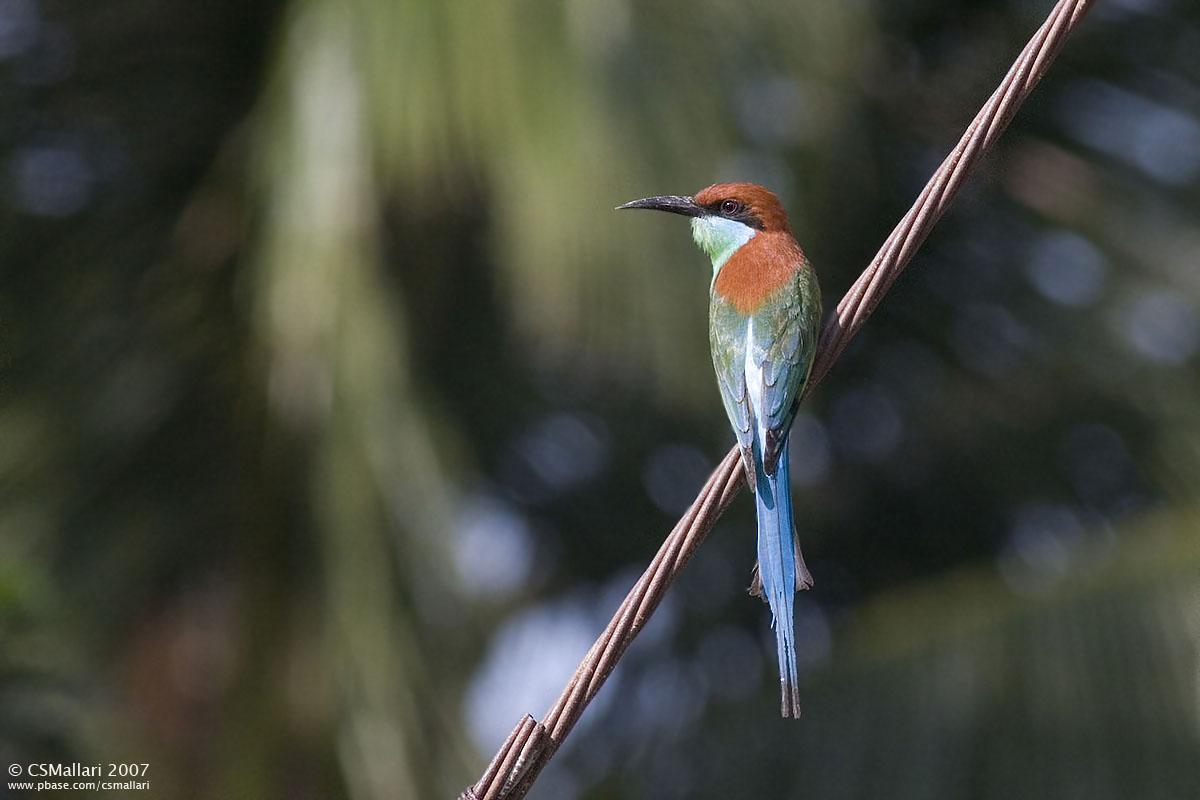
(764, 313)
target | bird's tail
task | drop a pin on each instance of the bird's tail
(777, 567)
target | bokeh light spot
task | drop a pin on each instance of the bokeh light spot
(866, 424)
(529, 659)
(51, 180)
(812, 456)
(493, 549)
(1163, 327)
(1042, 546)
(814, 637)
(732, 662)
(1067, 269)
(557, 454)
(989, 339)
(18, 26)
(50, 59)
(669, 696)
(672, 475)
(1096, 461)
(779, 111)
(1162, 141)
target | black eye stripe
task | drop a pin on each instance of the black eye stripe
(741, 214)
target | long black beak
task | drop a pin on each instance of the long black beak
(674, 203)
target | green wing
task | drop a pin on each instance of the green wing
(785, 340)
(727, 337)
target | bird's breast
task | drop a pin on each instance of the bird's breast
(757, 270)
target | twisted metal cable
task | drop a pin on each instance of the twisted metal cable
(531, 744)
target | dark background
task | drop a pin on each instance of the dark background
(338, 408)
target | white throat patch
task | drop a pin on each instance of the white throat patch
(720, 238)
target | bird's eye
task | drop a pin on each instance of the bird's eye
(730, 207)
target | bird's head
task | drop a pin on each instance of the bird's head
(724, 216)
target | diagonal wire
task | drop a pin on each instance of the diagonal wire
(531, 745)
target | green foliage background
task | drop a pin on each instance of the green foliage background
(337, 407)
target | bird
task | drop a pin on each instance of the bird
(764, 313)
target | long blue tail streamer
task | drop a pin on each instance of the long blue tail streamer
(777, 566)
